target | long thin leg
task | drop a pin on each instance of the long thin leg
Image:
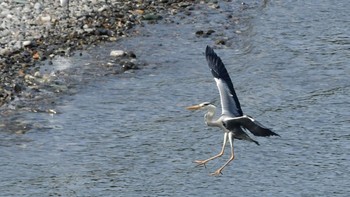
(203, 162)
(218, 171)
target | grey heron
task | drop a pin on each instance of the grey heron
(232, 120)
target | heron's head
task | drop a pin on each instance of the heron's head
(204, 105)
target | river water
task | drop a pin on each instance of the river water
(130, 135)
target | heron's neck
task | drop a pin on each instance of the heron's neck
(208, 117)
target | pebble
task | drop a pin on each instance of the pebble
(64, 2)
(26, 43)
(117, 53)
(37, 6)
(45, 18)
(151, 17)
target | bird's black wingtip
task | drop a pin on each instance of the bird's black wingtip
(256, 142)
(274, 134)
(214, 62)
(268, 133)
(209, 50)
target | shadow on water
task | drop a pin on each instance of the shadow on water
(129, 134)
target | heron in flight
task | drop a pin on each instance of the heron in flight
(232, 120)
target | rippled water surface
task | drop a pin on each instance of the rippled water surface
(129, 134)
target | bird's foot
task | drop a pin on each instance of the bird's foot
(217, 172)
(200, 162)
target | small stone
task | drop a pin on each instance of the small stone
(131, 54)
(51, 111)
(89, 30)
(37, 74)
(117, 53)
(64, 2)
(17, 45)
(210, 31)
(21, 73)
(37, 6)
(214, 6)
(36, 56)
(17, 88)
(26, 43)
(138, 12)
(113, 39)
(20, 132)
(199, 33)
(220, 42)
(129, 65)
(102, 31)
(103, 8)
(45, 18)
(3, 51)
(151, 17)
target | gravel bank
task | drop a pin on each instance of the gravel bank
(33, 30)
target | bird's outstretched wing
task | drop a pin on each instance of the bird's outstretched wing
(229, 102)
(249, 123)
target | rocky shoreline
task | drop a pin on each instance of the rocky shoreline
(32, 31)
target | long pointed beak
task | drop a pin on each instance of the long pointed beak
(194, 107)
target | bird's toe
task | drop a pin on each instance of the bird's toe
(216, 173)
(200, 162)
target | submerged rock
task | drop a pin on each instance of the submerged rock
(151, 17)
(117, 53)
